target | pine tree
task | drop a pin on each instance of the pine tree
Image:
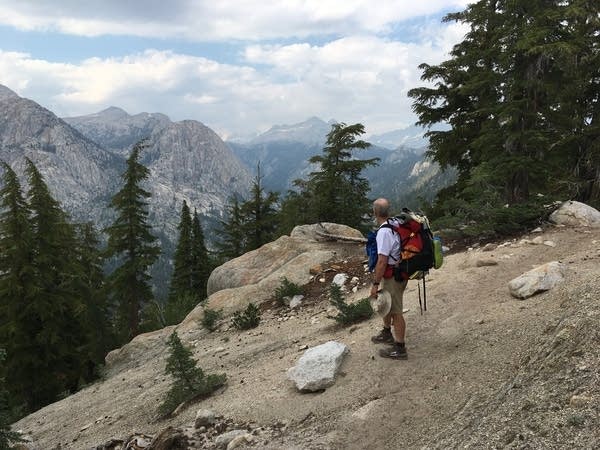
(130, 241)
(181, 280)
(233, 241)
(40, 326)
(16, 285)
(185, 290)
(260, 216)
(201, 261)
(57, 308)
(189, 380)
(338, 191)
(520, 95)
(92, 289)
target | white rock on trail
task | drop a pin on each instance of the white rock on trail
(318, 366)
(540, 279)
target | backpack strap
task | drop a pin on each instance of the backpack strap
(387, 224)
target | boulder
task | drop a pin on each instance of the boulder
(576, 214)
(318, 366)
(273, 257)
(540, 279)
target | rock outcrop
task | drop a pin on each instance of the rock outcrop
(290, 256)
(80, 173)
(576, 214)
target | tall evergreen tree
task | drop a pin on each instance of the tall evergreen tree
(338, 191)
(516, 94)
(57, 306)
(92, 289)
(260, 215)
(201, 261)
(41, 331)
(17, 291)
(181, 280)
(130, 241)
(232, 240)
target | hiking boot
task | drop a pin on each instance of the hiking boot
(384, 337)
(395, 352)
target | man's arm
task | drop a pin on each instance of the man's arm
(380, 268)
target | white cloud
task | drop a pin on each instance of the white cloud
(352, 79)
(210, 20)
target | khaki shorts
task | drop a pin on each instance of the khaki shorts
(396, 290)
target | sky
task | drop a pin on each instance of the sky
(238, 66)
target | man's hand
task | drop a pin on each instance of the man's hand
(374, 290)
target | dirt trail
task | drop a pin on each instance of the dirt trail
(472, 339)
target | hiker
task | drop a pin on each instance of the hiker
(388, 254)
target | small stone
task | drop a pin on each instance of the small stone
(537, 230)
(321, 280)
(486, 262)
(550, 243)
(225, 439)
(315, 270)
(538, 240)
(240, 440)
(578, 401)
(204, 418)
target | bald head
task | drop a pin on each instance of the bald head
(381, 208)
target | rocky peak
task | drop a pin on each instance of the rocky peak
(116, 130)
(311, 131)
(6, 93)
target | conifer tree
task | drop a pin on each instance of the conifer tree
(17, 291)
(181, 280)
(201, 261)
(521, 95)
(189, 380)
(260, 216)
(233, 241)
(338, 191)
(92, 289)
(56, 310)
(130, 241)
(184, 294)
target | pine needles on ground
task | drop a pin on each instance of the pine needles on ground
(349, 313)
(189, 381)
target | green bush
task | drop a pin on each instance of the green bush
(249, 318)
(286, 289)
(349, 313)
(189, 381)
(211, 316)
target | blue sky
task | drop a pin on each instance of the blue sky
(239, 66)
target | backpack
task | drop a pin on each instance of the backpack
(420, 250)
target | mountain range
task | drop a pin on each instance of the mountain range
(82, 159)
(403, 174)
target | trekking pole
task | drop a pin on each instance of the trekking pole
(424, 294)
(420, 304)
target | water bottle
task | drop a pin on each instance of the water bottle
(438, 256)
